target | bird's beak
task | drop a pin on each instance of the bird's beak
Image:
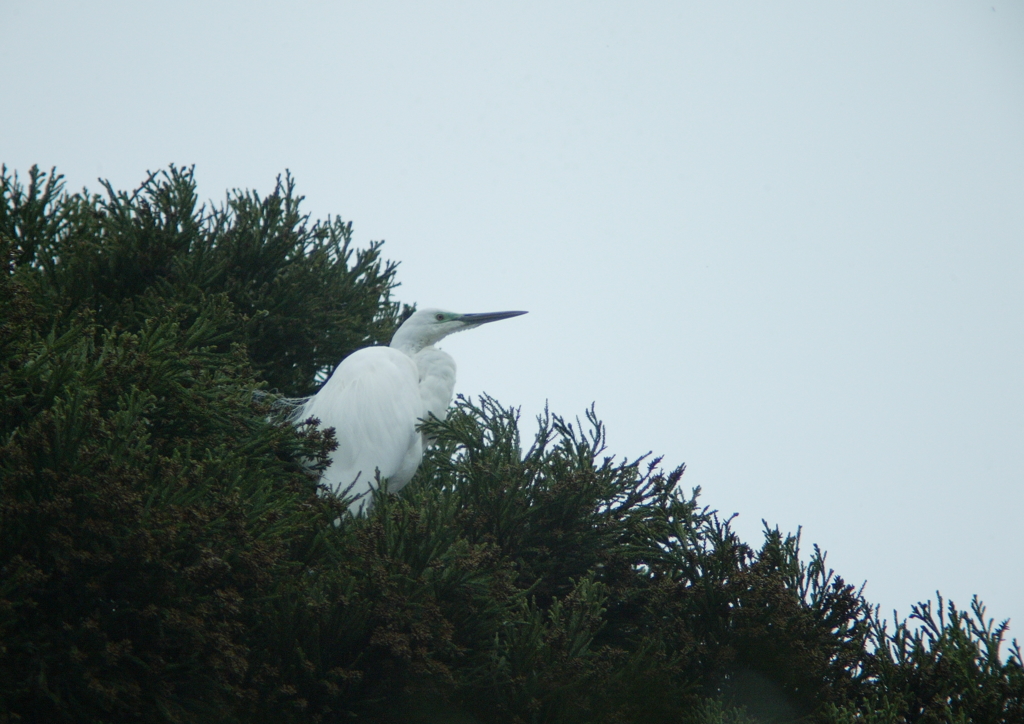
(484, 318)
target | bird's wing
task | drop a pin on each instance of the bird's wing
(373, 402)
(436, 380)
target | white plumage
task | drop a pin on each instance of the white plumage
(377, 396)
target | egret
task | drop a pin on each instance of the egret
(377, 396)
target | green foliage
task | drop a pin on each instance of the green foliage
(166, 556)
(946, 665)
(301, 299)
(144, 513)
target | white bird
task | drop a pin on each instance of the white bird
(377, 396)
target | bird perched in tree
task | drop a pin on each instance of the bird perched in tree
(377, 396)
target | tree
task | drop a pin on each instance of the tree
(167, 555)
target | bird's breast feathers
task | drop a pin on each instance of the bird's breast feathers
(373, 402)
(436, 371)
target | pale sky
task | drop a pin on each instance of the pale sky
(782, 243)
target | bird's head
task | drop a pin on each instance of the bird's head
(429, 326)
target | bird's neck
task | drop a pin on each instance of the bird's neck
(409, 346)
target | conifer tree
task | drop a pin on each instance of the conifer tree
(166, 554)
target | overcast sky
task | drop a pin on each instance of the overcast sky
(780, 242)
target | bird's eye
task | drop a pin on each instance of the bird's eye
(439, 317)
